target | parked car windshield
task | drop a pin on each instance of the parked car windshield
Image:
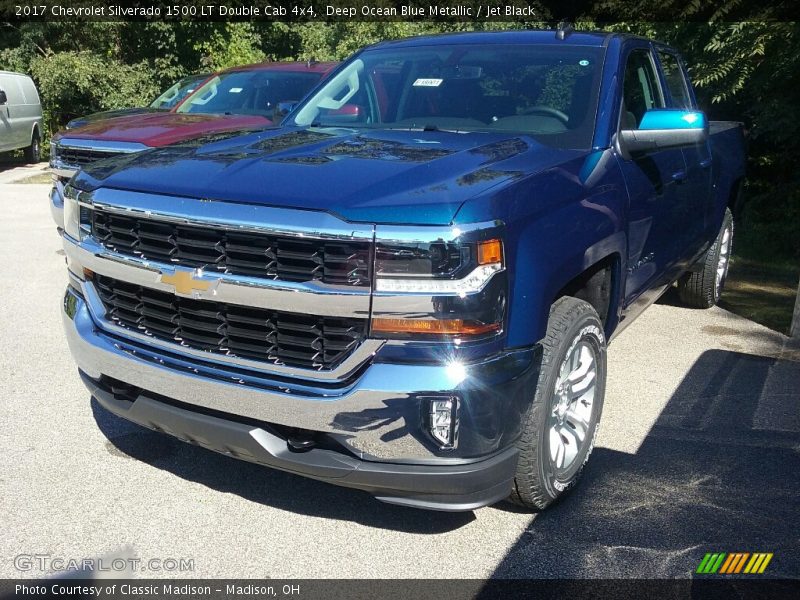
(249, 92)
(549, 92)
(173, 96)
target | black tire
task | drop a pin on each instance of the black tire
(573, 324)
(700, 288)
(33, 153)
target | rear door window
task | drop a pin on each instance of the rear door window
(676, 81)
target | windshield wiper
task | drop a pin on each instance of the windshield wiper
(340, 125)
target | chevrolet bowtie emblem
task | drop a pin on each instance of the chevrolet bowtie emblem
(186, 283)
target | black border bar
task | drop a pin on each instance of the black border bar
(718, 587)
(547, 12)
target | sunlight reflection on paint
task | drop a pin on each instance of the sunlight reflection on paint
(456, 372)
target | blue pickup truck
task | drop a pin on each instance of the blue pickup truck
(409, 286)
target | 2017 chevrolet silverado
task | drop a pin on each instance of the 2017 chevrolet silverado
(171, 97)
(239, 98)
(410, 286)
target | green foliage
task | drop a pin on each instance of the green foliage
(76, 83)
(235, 44)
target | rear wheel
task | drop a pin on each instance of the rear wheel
(33, 152)
(703, 288)
(561, 424)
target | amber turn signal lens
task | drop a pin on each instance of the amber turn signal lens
(88, 274)
(433, 326)
(490, 251)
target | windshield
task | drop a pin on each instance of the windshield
(177, 92)
(547, 91)
(249, 92)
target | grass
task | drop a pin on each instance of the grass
(764, 271)
(38, 178)
(762, 290)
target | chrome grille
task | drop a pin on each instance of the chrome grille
(258, 334)
(80, 157)
(238, 253)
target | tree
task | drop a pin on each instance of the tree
(794, 331)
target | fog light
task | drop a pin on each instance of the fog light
(443, 420)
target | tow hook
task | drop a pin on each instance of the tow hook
(300, 443)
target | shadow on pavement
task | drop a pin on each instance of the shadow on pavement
(264, 485)
(10, 162)
(718, 472)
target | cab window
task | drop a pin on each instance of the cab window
(640, 91)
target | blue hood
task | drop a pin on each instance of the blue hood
(381, 176)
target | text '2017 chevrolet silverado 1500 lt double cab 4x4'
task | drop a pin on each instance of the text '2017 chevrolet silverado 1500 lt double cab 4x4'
(409, 287)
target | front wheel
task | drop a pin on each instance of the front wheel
(561, 424)
(33, 152)
(703, 288)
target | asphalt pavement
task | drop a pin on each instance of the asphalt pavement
(699, 451)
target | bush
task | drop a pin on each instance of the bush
(77, 83)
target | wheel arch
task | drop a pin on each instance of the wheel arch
(595, 276)
(736, 198)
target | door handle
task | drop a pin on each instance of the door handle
(705, 163)
(679, 176)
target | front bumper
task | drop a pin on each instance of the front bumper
(57, 201)
(372, 425)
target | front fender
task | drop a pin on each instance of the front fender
(559, 223)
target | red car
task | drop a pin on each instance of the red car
(247, 97)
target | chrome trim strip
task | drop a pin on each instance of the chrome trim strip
(101, 145)
(229, 215)
(433, 233)
(62, 171)
(287, 296)
(365, 350)
(57, 203)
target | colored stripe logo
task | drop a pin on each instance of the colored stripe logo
(733, 563)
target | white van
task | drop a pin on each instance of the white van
(20, 115)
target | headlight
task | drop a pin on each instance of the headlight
(445, 290)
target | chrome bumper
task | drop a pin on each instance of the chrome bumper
(57, 202)
(377, 414)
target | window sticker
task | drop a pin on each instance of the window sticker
(235, 90)
(583, 63)
(428, 82)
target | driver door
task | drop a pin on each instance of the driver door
(656, 189)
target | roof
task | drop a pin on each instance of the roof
(14, 73)
(525, 36)
(292, 67)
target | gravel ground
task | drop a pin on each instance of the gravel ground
(699, 452)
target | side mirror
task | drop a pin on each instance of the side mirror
(347, 113)
(3, 97)
(663, 128)
(281, 110)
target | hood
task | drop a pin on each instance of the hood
(163, 128)
(110, 114)
(384, 176)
